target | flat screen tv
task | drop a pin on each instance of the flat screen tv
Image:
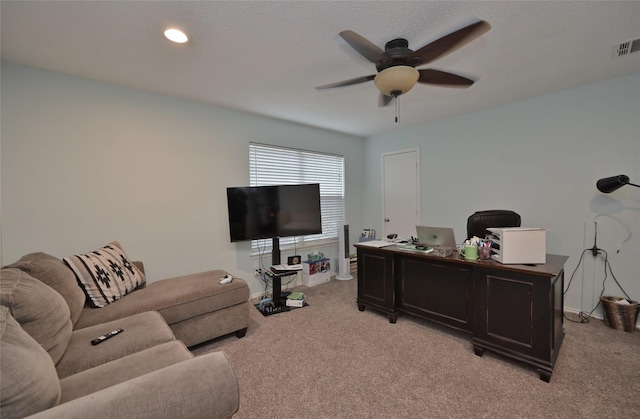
(267, 212)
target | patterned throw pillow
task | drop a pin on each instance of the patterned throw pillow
(106, 274)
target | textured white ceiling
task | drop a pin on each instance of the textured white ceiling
(266, 57)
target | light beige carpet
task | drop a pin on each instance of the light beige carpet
(329, 360)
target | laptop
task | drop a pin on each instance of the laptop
(436, 236)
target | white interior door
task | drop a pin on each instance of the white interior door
(401, 192)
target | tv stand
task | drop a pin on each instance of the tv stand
(276, 279)
(278, 297)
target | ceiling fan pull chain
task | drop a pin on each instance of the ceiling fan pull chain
(397, 108)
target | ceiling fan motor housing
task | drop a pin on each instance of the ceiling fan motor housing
(397, 52)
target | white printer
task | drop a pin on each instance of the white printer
(519, 245)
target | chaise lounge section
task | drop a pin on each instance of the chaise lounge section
(197, 307)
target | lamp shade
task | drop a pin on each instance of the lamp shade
(396, 80)
(610, 184)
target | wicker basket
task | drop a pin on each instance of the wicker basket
(620, 316)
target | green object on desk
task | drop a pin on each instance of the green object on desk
(296, 296)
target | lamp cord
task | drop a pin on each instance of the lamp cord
(619, 221)
(584, 317)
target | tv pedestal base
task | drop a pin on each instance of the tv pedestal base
(275, 309)
(280, 307)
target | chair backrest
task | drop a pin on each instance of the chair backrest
(479, 221)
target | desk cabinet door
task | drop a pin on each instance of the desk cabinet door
(439, 292)
(519, 313)
(375, 281)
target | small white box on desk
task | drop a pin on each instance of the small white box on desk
(519, 245)
(316, 272)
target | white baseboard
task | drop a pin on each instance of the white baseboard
(595, 316)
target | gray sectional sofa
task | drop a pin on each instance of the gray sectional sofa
(49, 367)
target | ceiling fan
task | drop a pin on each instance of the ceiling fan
(396, 65)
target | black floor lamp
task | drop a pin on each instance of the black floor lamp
(610, 184)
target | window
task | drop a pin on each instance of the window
(270, 165)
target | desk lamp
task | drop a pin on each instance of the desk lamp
(610, 184)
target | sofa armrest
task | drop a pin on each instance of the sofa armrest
(202, 387)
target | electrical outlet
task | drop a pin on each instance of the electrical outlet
(257, 272)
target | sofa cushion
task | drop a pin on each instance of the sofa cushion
(177, 299)
(106, 274)
(141, 331)
(41, 311)
(53, 272)
(29, 380)
(123, 369)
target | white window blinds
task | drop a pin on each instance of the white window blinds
(270, 165)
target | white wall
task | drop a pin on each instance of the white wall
(84, 163)
(541, 158)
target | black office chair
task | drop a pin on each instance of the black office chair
(479, 221)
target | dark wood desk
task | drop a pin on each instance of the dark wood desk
(514, 310)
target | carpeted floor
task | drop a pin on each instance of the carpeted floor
(329, 360)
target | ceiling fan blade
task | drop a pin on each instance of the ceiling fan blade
(443, 78)
(384, 100)
(451, 42)
(347, 82)
(366, 48)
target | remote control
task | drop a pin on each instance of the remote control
(102, 338)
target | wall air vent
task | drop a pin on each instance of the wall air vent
(626, 48)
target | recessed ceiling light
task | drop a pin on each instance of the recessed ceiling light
(176, 35)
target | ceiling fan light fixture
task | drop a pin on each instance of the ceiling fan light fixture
(399, 78)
